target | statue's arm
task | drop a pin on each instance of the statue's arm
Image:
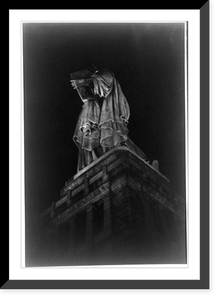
(103, 84)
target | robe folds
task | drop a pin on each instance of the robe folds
(101, 127)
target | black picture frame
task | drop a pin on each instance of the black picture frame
(204, 281)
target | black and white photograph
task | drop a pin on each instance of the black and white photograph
(105, 141)
(109, 144)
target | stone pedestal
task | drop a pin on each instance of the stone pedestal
(119, 210)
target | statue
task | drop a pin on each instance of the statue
(102, 123)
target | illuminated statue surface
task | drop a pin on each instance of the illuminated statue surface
(102, 123)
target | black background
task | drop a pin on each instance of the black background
(148, 62)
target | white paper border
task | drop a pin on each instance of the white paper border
(16, 227)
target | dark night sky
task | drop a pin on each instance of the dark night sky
(148, 62)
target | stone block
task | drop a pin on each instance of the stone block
(141, 209)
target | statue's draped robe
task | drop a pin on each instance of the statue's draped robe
(100, 128)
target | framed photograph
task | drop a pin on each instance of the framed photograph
(109, 149)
